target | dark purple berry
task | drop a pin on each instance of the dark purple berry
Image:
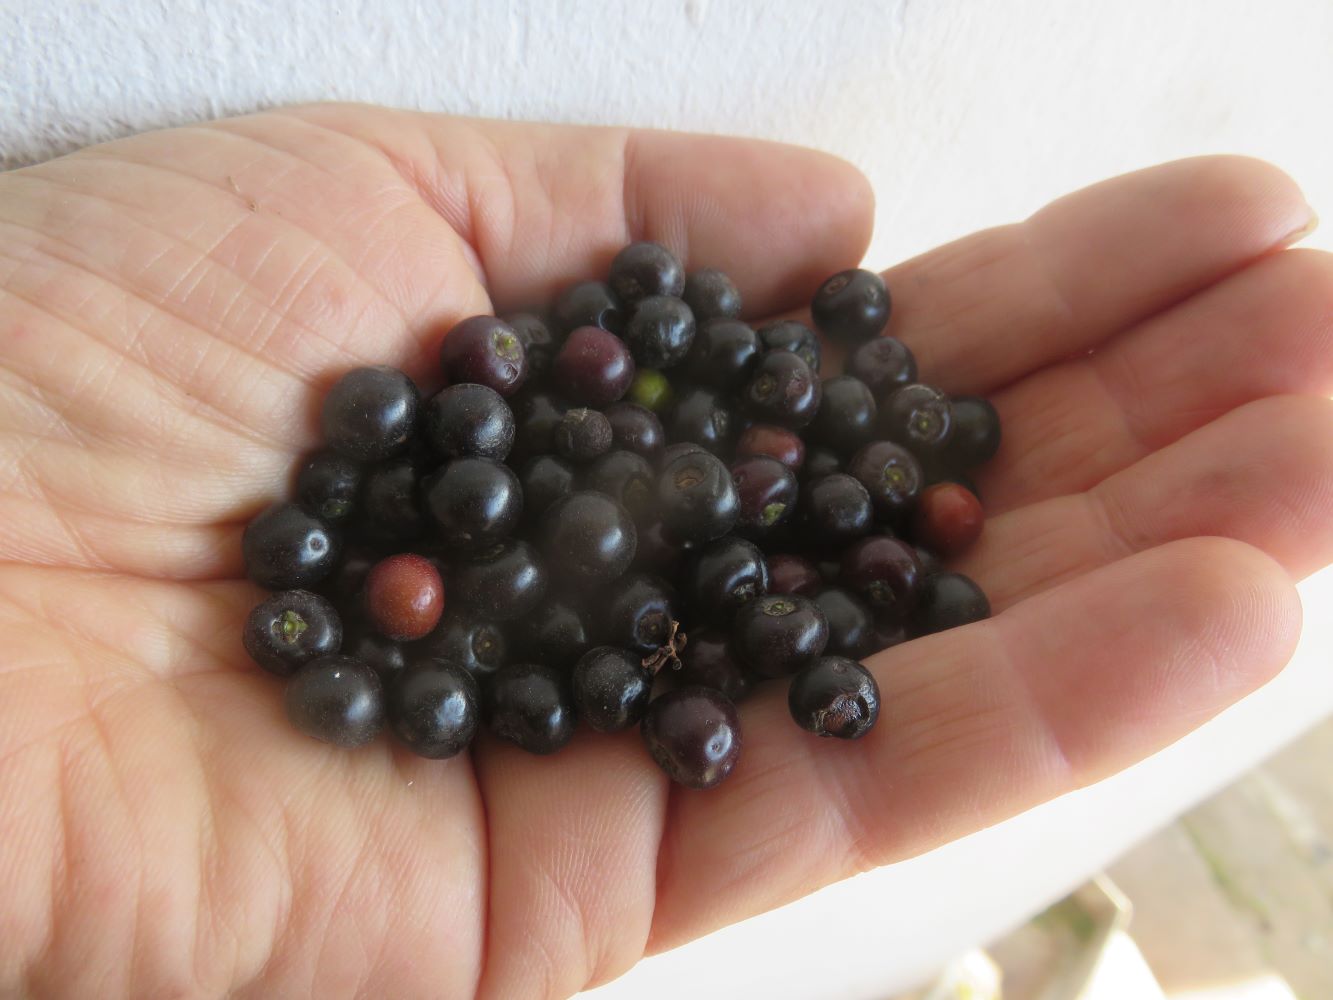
(779, 634)
(485, 350)
(834, 697)
(790, 335)
(708, 661)
(286, 547)
(473, 502)
(336, 699)
(976, 432)
(701, 416)
(673, 451)
(589, 303)
(536, 416)
(530, 706)
(390, 507)
(660, 332)
(697, 497)
(434, 708)
(659, 551)
(593, 368)
(637, 613)
(469, 419)
(851, 627)
(498, 584)
(767, 490)
(783, 390)
(883, 364)
(636, 428)
(694, 735)
(891, 475)
(723, 354)
(626, 478)
(724, 577)
(885, 573)
(947, 600)
(918, 417)
(611, 688)
(539, 343)
(790, 574)
(820, 461)
(846, 417)
(545, 479)
(370, 413)
(835, 510)
(710, 294)
(291, 628)
(386, 657)
(556, 634)
(587, 537)
(327, 485)
(582, 435)
(479, 647)
(851, 307)
(645, 269)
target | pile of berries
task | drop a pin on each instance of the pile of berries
(628, 511)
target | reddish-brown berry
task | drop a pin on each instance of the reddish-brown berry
(404, 596)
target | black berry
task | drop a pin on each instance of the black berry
(660, 332)
(557, 634)
(530, 706)
(390, 508)
(479, 647)
(976, 431)
(370, 413)
(611, 688)
(286, 547)
(625, 477)
(485, 350)
(327, 485)
(544, 479)
(790, 335)
(291, 628)
(883, 364)
(588, 303)
(723, 353)
(501, 583)
(582, 435)
(846, 416)
(701, 416)
(918, 417)
(851, 627)
(783, 390)
(779, 634)
(644, 269)
(885, 573)
(337, 699)
(587, 537)
(835, 509)
(593, 368)
(636, 428)
(851, 307)
(891, 475)
(708, 661)
(638, 613)
(947, 600)
(697, 497)
(694, 735)
(434, 708)
(710, 294)
(834, 697)
(725, 576)
(767, 491)
(469, 419)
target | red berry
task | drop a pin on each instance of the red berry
(948, 518)
(775, 442)
(404, 596)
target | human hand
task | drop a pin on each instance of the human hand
(172, 307)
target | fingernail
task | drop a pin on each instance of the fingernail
(1296, 235)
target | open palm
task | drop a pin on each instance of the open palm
(172, 307)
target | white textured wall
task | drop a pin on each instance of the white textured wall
(963, 113)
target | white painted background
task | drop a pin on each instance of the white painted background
(963, 113)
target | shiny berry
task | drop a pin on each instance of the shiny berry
(536, 416)
(337, 699)
(587, 537)
(289, 629)
(404, 596)
(645, 269)
(835, 510)
(782, 390)
(626, 478)
(710, 294)
(660, 332)
(637, 613)
(701, 416)
(891, 475)
(386, 657)
(582, 435)
(370, 413)
(779, 634)
(708, 661)
(883, 364)
(697, 497)
(286, 547)
(530, 706)
(790, 335)
(544, 479)
(790, 574)
(918, 417)
(694, 735)
(724, 577)
(885, 573)
(851, 626)
(948, 600)
(327, 485)
(434, 708)
(723, 354)
(479, 647)
(498, 584)
(610, 688)
(776, 442)
(593, 368)
(556, 634)
(539, 343)
(636, 428)
(588, 303)
(835, 697)
(846, 417)
(948, 518)
(474, 502)
(390, 507)
(851, 307)
(485, 350)
(469, 419)
(767, 490)
(976, 431)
